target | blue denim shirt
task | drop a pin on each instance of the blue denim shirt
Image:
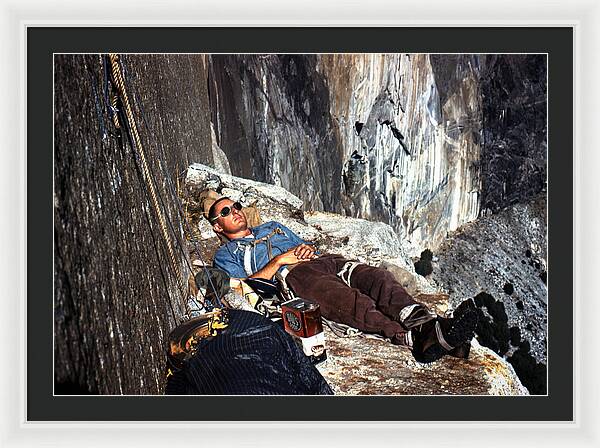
(238, 255)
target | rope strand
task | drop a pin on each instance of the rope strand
(119, 83)
(150, 180)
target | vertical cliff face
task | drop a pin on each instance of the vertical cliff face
(410, 155)
(397, 138)
(116, 294)
(272, 118)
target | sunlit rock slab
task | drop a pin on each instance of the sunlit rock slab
(361, 366)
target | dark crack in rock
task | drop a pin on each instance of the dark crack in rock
(515, 336)
(532, 374)
(493, 332)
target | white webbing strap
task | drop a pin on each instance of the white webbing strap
(347, 270)
(405, 312)
(248, 260)
(440, 336)
(342, 330)
(283, 286)
(284, 273)
(409, 339)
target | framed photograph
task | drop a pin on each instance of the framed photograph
(91, 172)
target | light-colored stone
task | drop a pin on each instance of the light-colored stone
(219, 157)
(199, 174)
(428, 183)
(364, 366)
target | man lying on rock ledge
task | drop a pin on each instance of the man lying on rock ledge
(356, 294)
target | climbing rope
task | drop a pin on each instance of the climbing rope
(120, 85)
(182, 215)
(118, 78)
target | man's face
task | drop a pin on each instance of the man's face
(234, 222)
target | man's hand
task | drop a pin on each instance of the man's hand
(305, 252)
(297, 254)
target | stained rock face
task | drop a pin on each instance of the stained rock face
(365, 365)
(359, 133)
(409, 157)
(421, 142)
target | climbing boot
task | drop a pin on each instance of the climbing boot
(415, 315)
(444, 336)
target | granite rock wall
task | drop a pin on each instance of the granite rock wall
(421, 142)
(116, 294)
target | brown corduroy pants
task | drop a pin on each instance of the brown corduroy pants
(371, 303)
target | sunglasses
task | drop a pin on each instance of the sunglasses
(226, 211)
